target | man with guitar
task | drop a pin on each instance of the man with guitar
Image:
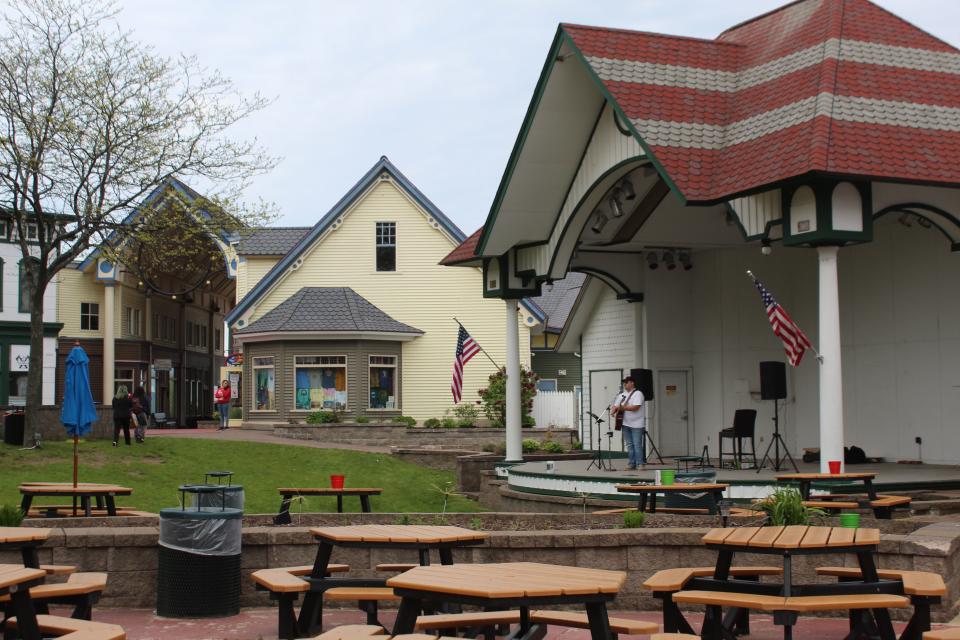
(630, 414)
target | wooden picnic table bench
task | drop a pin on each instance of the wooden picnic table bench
(26, 540)
(650, 491)
(103, 494)
(882, 505)
(288, 493)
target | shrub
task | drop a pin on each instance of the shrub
(431, 423)
(323, 417)
(552, 447)
(495, 401)
(466, 414)
(785, 507)
(501, 449)
(10, 516)
(362, 420)
(528, 421)
(407, 420)
(489, 447)
(236, 412)
(530, 445)
(448, 423)
(633, 519)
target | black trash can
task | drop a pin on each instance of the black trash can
(220, 496)
(692, 500)
(199, 562)
(13, 428)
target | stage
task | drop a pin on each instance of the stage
(572, 478)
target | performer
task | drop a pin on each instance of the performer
(629, 406)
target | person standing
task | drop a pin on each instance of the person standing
(221, 397)
(141, 412)
(122, 413)
(630, 404)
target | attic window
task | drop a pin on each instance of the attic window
(386, 246)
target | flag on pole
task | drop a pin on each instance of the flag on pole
(466, 349)
(795, 341)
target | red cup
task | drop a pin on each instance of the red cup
(834, 466)
(336, 482)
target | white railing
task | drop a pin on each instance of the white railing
(556, 408)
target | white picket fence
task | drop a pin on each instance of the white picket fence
(556, 408)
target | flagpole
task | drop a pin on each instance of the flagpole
(812, 348)
(478, 345)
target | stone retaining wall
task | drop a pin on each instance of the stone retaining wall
(129, 555)
(52, 429)
(471, 468)
(386, 435)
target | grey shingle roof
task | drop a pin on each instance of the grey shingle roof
(327, 309)
(270, 241)
(558, 303)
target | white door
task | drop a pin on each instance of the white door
(673, 409)
(604, 386)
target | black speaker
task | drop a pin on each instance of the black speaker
(773, 380)
(644, 378)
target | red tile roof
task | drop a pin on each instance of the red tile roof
(465, 252)
(837, 86)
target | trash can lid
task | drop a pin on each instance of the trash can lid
(203, 488)
(203, 513)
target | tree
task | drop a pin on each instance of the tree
(91, 122)
(494, 397)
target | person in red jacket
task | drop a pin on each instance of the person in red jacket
(221, 397)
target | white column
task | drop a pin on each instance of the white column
(108, 356)
(831, 372)
(514, 424)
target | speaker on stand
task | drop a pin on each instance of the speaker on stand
(773, 386)
(644, 379)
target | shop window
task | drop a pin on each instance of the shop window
(131, 318)
(125, 377)
(89, 316)
(383, 382)
(264, 388)
(321, 382)
(386, 246)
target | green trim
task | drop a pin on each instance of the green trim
(825, 234)
(909, 208)
(521, 140)
(14, 329)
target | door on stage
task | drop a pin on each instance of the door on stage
(604, 387)
(675, 429)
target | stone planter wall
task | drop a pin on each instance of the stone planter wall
(129, 555)
(387, 435)
(469, 468)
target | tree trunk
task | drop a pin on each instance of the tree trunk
(35, 375)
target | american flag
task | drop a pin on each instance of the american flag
(466, 349)
(795, 341)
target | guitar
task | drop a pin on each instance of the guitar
(618, 425)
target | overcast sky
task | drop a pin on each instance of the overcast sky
(440, 87)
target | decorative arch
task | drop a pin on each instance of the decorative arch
(945, 222)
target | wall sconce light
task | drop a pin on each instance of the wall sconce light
(599, 223)
(684, 258)
(615, 207)
(628, 192)
(652, 259)
(669, 261)
(765, 247)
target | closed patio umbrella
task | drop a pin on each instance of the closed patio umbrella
(77, 412)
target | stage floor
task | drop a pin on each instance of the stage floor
(572, 477)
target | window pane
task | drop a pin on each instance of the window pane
(391, 360)
(383, 387)
(320, 360)
(386, 258)
(264, 387)
(321, 387)
(18, 389)
(263, 362)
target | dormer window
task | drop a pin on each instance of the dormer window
(386, 246)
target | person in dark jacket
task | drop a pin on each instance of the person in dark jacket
(141, 411)
(122, 408)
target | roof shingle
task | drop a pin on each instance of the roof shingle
(270, 241)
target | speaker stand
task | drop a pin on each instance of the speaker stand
(597, 460)
(775, 443)
(653, 447)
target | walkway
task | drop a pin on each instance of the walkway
(253, 435)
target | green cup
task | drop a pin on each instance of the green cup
(850, 520)
(667, 476)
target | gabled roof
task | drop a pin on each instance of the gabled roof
(832, 86)
(269, 241)
(327, 310)
(382, 166)
(464, 253)
(559, 301)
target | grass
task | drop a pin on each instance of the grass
(154, 471)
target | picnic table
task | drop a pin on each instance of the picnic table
(651, 490)
(103, 494)
(510, 585)
(785, 542)
(421, 539)
(26, 540)
(287, 494)
(882, 505)
(16, 581)
(807, 479)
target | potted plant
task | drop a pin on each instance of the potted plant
(785, 507)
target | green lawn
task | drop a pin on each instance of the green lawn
(154, 471)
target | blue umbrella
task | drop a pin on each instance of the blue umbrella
(77, 412)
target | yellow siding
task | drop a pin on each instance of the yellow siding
(421, 293)
(74, 287)
(250, 272)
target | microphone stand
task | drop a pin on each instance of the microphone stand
(597, 460)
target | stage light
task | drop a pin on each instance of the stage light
(923, 222)
(904, 219)
(669, 261)
(652, 259)
(684, 258)
(599, 223)
(615, 207)
(628, 191)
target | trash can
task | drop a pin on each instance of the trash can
(13, 428)
(218, 495)
(199, 559)
(692, 500)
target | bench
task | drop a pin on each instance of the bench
(58, 569)
(73, 629)
(285, 586)
(287, 494)
(947, 633)
(830, 505)
(398, 567)
(884, 505)
(674, 636)
(82, 590)
(350, 632)
(367, 598)
(486, 619)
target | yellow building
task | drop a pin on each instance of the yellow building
(356, 313)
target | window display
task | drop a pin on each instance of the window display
(263, 384)
(321, 382)
(383, 382)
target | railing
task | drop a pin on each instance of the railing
(556, 408)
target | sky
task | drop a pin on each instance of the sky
(438, 86)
